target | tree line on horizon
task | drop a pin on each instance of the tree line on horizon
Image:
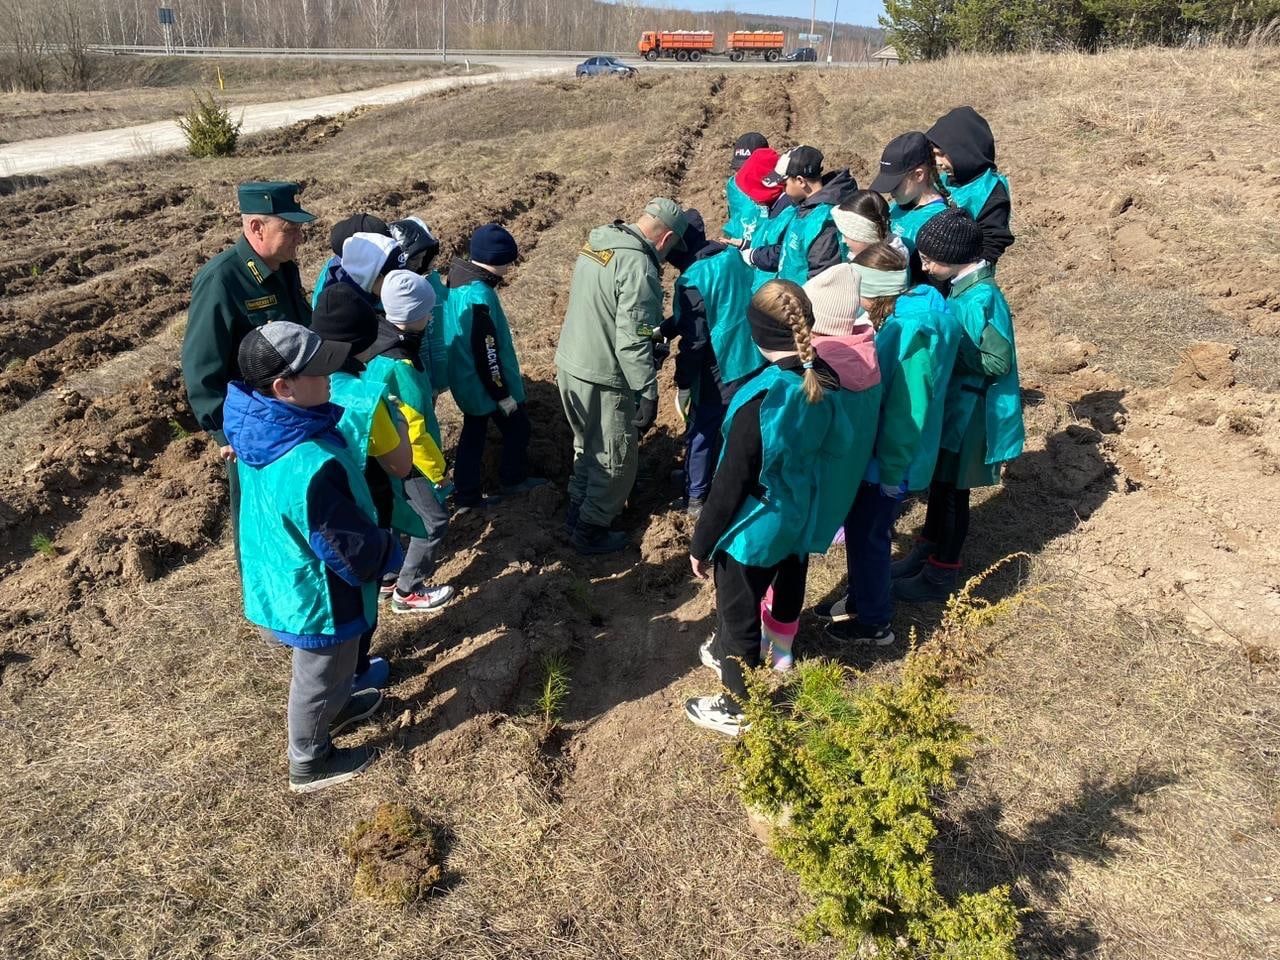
(931, 29)
(41, 31)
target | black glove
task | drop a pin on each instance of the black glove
(646, 413)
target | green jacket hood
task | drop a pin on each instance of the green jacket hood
(615, 237)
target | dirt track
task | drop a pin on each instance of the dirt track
(145, 717)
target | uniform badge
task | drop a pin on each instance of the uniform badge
(261, 303)
(601, 257)
(253, 268)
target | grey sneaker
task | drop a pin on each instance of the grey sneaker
(363, 704)
(341, 765)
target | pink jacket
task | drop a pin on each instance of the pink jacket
(853, 358)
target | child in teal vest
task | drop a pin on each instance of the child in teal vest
(484, 373)
(907, 172)
(965, 151)
(791, 434)
(421, 248)
(373, 426)
(744, 212)
(982, 427)
(409, 299)
(310, 547)
(915, 347)
(356, 223)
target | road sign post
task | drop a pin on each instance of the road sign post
(166, 27)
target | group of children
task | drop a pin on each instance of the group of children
(340, 456)
(837, 351)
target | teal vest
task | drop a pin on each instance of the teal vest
(812, 458)
(434, 359)
(409, 385)
(769, 231)
(285, 584)
(744, 213)
(359, 401)
(724, 281)
(976, 301)
(921, 310)
(907, 223)
(973, 196)
(468, 391)
(794, 265)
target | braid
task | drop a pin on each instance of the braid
(935, 178)
(797, 313)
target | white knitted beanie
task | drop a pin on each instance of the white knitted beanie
(836, 300)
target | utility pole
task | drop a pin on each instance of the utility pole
(831, 40)
(444, 49)
(813, 17)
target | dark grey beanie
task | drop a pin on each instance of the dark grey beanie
(952, 237)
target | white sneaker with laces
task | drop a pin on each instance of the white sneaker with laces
(424, 599)
(713, 713)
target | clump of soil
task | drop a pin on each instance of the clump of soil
(1206, 363)
(396, 855)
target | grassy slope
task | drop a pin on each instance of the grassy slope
(1126, 787)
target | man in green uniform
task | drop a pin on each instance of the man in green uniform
(254, 281)
(605, 369)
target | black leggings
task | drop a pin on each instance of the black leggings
(739, 590)
(946, 522)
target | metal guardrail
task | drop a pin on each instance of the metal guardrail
(390, 52)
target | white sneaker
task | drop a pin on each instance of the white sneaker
(712, 713)
(424, 599)
(837, 612)
(708, 658)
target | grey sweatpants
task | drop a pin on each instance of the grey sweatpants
(423, 555)
(606, 447)
(319, 688)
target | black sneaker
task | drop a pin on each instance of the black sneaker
(363, 703)
(862, 634)
(590, 540)
(837, 612)
(341, 765)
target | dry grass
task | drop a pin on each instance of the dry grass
(1127, 788)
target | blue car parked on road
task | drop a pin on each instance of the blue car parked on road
(604, 67)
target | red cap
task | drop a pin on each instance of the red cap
(750, 179)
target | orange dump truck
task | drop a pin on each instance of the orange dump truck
(696, 44)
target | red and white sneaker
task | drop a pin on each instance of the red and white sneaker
(386, 589)
(424, 599)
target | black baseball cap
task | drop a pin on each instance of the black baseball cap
(800, 162)
(285, 349)
(746, 145)
(343, 314)
(900, 157)
(356, 223)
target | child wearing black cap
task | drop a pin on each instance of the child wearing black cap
(484, 373)
(743, 210)
(965, 151)
(982, 425)
(907, 172)
(311, 548)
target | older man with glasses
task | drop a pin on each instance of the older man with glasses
(252, 282)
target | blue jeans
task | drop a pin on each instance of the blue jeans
(468, 463)
(702, 446)
(868, 538)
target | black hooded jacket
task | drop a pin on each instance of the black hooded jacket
(837, 186)
(966, 138)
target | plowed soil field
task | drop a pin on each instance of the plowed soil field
(1129, 705)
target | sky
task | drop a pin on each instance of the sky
(862, 12)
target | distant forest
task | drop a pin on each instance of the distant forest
(469, 24)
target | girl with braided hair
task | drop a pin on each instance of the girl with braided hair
(794, 435)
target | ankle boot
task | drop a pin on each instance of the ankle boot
(935, 582)
(914, 561)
